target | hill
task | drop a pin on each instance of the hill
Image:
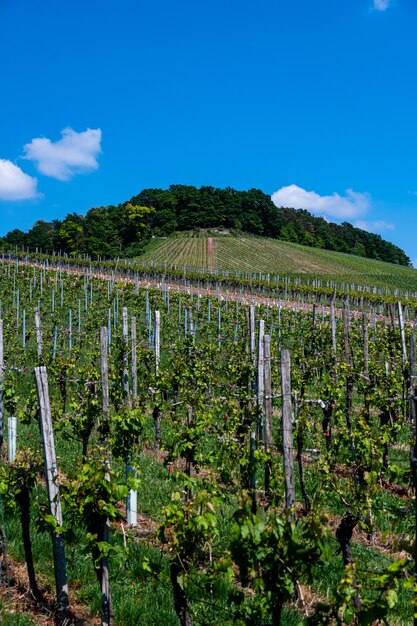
(124, 230)
(250, 254)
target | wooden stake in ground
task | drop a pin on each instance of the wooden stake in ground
(38, 333)
(51, 473)
(125, 332)
(349, 386)
(268, 410)
(402, 332)
(134, 363)
(287, 439)
(366, 363)
(1, 385)
(334, 346)
(104, 566)
(252, 470)
(156, 410)
(413, 413)
(252, 331)
(260, 379)
(365, 347)
(413, 455)
(158, 339)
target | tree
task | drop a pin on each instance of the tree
(43, 235)
(71, 233)
(136, 221)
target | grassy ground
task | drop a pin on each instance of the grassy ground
(141, 600)
(139, 596)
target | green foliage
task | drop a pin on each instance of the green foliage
(188, 523)
(273, 552)
(94, 491)
(160, 212)
(234, 566)
(126, 429)
(20, 476)
(363, 601)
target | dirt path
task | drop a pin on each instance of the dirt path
(16, 598)
(210, 252)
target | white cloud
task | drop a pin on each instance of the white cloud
(373, 226)
(351, 205)
(74, 153)
(381, 5)
(15, 184)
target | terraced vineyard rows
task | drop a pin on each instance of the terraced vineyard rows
(251, 254)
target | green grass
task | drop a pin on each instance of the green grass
(8, 617)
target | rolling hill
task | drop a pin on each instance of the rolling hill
(250, 254)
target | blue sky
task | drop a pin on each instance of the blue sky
(313, 102)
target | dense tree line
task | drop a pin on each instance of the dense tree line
(125, 229)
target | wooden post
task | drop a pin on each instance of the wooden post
(131, 500)
(70, 330)
(413, 451)
(287, 440)
(252, 465)
(157, 339)
(24, 329)
(365, 347)
(79, 320)
(346, 336)
(334, 346)
(260, 379)
(413, 411)
(55, 342)
(17, 308)
(392, 315)
(190, 418)
(366, 364)
(125, 331)
(349, 388)
(134, 362)
(52, 483)
(402, 332)
(104, 373)
(190, 323)
(38, 333)
(1, 385)
(279, 325)
(156, 409)
(105, 581)
(252, 331)
(404, 356)
(314, 320)
(268, 409)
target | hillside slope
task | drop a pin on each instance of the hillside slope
(257, 254)
(125, 230)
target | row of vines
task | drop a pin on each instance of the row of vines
(213, 462)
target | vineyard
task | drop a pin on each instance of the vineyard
(259, 254)
(199, 456)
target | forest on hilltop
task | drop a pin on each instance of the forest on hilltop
(124, 230)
